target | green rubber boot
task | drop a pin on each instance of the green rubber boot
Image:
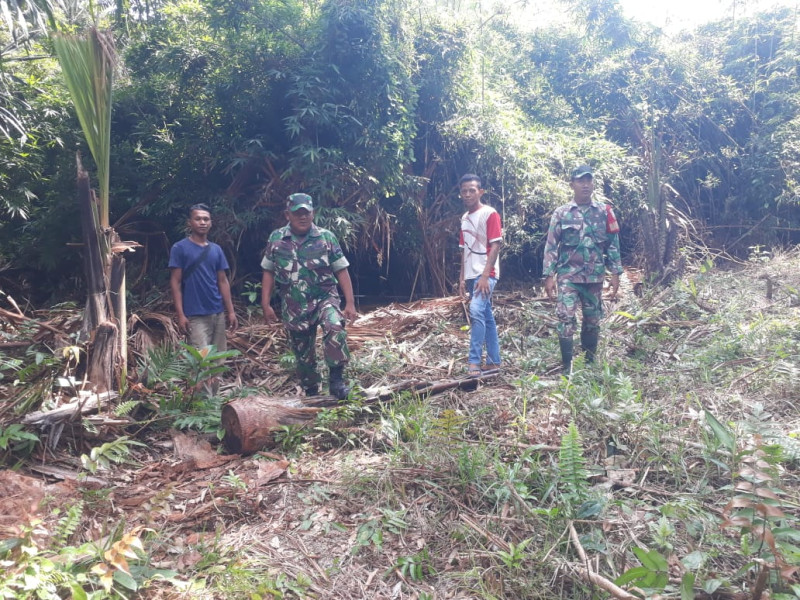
(589, 343)
(337, 385)
(566, 354)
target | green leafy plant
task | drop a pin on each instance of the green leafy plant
(235, 482)
(514, 558)
(394, 521)
(509, 485)
(123, 409)
(252, 290)
(183, 373)
(662, 532)
(369, 533)
(68, 524)
(115, 452)
(14, 438)
(290, 437)
(88, 571)
(653, 574)
(573, 477)
(252, 293)
(769, 533)
(204, 415)
(416, 567)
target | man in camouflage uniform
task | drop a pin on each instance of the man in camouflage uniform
(582, 242)
(306, 262)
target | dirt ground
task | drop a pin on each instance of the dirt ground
(442, 496)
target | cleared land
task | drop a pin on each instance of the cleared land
(672, 463)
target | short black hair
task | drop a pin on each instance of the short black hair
(199, 206)
(469, 177)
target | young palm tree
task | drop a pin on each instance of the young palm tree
(87, 62)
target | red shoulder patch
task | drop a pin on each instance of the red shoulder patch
(612, 226)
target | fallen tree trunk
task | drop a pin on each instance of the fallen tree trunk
(68, 412)
(251, 422)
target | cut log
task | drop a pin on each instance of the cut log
(250, 423)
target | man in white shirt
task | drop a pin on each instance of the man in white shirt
(480, 238)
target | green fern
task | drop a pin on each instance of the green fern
(163, 363)
(449, 424)
(572, 467)
(125, 408)
(68, 524)
(204, 415)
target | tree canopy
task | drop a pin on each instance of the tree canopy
(376, 108)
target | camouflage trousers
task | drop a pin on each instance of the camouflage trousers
(589, 296)
(334, 344)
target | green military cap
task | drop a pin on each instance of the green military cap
(298, 201)
(581, 171)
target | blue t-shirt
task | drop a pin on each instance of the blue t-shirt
(201, 295)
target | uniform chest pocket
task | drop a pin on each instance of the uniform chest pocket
(285, 261)
(571, 233)
(600, 236)
(314, 258)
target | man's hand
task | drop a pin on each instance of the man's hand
(462, 288)
(482, 286)
(269, 314)
(233, 321)
(350, 313)
(614, 284)
(183, 324)
(550, 286)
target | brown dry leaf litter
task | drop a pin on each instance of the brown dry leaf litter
(305, 517)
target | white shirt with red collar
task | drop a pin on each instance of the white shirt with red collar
(479, 229)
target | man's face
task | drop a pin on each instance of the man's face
(200, 222)
(471, 194)
(582, 189)
(300, 220)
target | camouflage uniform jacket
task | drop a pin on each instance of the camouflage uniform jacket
(304, 273)
(579, 248)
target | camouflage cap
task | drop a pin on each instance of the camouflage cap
(581, 171)
(298, 201)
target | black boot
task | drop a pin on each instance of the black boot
(566, 354)
(589, 343)
(337, 385)
(312, 390)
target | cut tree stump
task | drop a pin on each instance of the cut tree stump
(104, 356)
(250, 423)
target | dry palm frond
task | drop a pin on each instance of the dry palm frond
(148, 330)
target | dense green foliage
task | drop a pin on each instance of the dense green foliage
(376, 108)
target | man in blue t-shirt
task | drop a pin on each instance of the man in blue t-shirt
(200, 288)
